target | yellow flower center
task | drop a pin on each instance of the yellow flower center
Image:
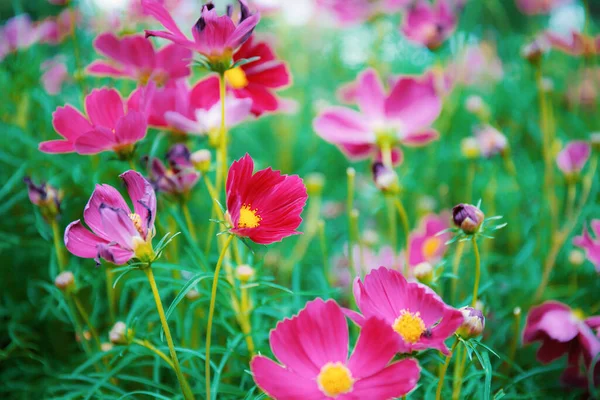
(236, 77)
(410, 326)
(137, 222)
(335, 379)
(578, 314)
(249, 218)
(431, 246)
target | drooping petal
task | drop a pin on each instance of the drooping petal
(158, 11)
(420, 138)
(281, 383)
(143, 197)
(102, 68)
(104, 107)
(114, 254)
(80, 241)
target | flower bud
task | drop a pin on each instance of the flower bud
(370, 237)
(534, 51)
(120, 334)
(595, 140)
(106, 347)
(46, 197)
(473, 324)
(423, 272)
(201, 160)
(65, 281)
(314, 183)
(193, 294)
(467, 217)
(244, 273)
(469, 148)
(576, 257)
(476, 106)
(385, 178)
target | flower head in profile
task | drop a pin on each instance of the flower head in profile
(418, 317)
(562, 330)
(386, 120)
(490, 141)
(46, 197)
(117, 234)
(591, 245)
(134, 57)
(576, 44)
(312, 348)
(539, 7)
(215, 37)
(264, 206)
(258, 80)
(110, 125)
(429, 24)
(573, 157)
(425, 243)
(179, 176)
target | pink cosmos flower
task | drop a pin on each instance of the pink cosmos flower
(403, 116)
(179, 177)
(429, 24)
(351, 12)
(425, 246)
(573, 157)
(563, 330)
(364, 261)
(215, 37)
(54, 74)
(537, 7)
(313, 348)
(477, 65)
(578, 44)
(17, 33)
(264, 206)
(135, 58)
(109, 125)
(419, 317)
(258, 80)
(54, 30)
(490, 141)
(589, 244)
(117, 235)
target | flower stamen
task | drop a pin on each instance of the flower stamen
(249, 218)
(335, 379)
(410, 326)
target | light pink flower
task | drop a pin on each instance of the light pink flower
(117, 234)
(54, 30)
(537, 7)
(402, 116)
(589, 244)
(425, 245)
(109, 125)
(490, 141)
(419, 317)
(477, 65)
(563, 331)
(429, 24)
(215, 37)
(54, 75)
(576, 44)
(573, 156)
(351, 12)
(134, 57)
(18, 33)
(313, 350)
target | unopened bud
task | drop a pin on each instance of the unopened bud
(244, 273)
(469, 147)
(200, 159)
(106, 347)
(423, 272)
(473, 325)
(476, 106)
(576, 257)
(534, 51)
(467, 217)
(193, 294)
(120, 334)
(46, 197)
(385, 178)
(314, 183)
(65, 281)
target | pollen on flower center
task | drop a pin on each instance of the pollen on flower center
(431, 246)
(137, 222)
(249, 218)
(410, 326)
(236, 77)
(335, 379)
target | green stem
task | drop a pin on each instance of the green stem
(110, 294)
(188, 220)
(60, 255)
(438, 392)
(404, 221)
(86, 319)
(163, 319)
(222, 143)
(477, 271)
(350, 173)
(211, 312)
(455, 265)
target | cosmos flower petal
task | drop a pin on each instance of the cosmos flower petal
(414, 103)
(80, 241)
(103, 194)
(340, 125)
(143, 197)
(118, 226)
(394, 381)
(131, 128)
(376, 346)
(370, 94)
(104, 107)
(96, 141)
(70, 123)
(282, 383)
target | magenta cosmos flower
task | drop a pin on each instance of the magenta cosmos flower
(215, 37)
(313, 348)
(418, 316)
(109, 125)
(589, 244)
(350, 12)
(425, 245)
(573, 157)
(577, 44)
(258, 80)
(118, 234)
(537, 7)
(429, 24)
(403, 116)
(264, 206)
(563, 331)
(135, 58)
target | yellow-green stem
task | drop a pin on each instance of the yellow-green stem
(246, 321)
(110, 294)
(222, 142)
(459, 371)
(188, 220)
(392, 225)
(163, 320)
(571, 193)
(86, 319)
(211, 312)
(477, 271)
(60, 255)
(404, 222)
(455, 264)
(131, 164)
(350, 173)
(355, 231)
(322, 239)
(216, 210)
(438, 392)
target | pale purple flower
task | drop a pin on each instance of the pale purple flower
(573, 157)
